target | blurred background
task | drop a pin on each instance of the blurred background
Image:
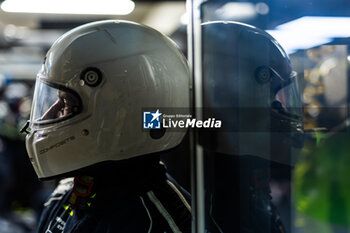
(313, 196)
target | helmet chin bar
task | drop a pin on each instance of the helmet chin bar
(112, 168)
(278, 108)
(288, 125)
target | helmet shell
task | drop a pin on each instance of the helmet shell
(138, 67)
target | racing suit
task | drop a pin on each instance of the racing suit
(135, 195)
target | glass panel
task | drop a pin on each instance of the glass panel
(279, 85)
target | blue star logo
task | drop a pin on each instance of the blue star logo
(151, 120)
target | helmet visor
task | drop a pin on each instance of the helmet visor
(52, 103)
(288, 99)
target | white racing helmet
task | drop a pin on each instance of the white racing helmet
(90, 93)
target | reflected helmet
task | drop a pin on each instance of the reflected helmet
(249, 84)
(90, 93)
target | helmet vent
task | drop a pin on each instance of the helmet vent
(91, 76)
(262, 74)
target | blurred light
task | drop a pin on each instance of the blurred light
(312, 110)
(16, 91)
(4, 109)
(25, 106)
(262, 8)
(307, 32)
(292, 41)
(237, 10)
(15, 32)
(93, 7)
(165, 16)
(184, 19)
(329, 27)
(10, 30)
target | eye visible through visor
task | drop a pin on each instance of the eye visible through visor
(53, 103)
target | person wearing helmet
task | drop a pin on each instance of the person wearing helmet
(86, 122)
(249, 84)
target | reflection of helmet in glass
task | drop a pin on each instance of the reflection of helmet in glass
(249, 83)
(89, 95)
